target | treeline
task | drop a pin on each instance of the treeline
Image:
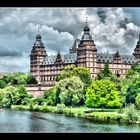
(75, 88)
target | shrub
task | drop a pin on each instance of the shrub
(132, 113)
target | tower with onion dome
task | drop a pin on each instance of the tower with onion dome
(86, 52)
(37, 56)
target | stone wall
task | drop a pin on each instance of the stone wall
(37, 90)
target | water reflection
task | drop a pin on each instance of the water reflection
(25, 121)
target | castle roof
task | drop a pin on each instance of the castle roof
(66, 58)
(108, 58)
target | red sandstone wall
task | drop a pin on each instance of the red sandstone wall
(36, 91)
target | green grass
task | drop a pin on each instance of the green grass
(97, 115)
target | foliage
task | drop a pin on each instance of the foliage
(103, 93)
(132, 91)
(138, 101)
(13, 95)
(31, 80)
(10, 96)
(14, 79)
(132, 113)
(2, 84)
(105, 73)
(71, 90)
(136, 67)
(71, 70)
(51, 96)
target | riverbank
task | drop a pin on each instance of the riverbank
(98, 115)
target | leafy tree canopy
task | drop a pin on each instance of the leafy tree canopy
(71, 91)
(71, 70)
(105, 73)
(132, 91)
(103, 93)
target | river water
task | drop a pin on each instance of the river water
(38, 122)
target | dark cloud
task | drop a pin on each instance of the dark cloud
(111, 28)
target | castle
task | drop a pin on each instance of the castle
(83, 53)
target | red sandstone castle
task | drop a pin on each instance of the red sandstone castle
(83, 53)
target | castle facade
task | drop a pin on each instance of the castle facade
(83, 53)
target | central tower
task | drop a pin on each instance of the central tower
(86, 52)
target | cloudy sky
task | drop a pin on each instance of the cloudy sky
(111, 29)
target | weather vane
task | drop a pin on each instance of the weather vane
(38, 28)
(86, 21)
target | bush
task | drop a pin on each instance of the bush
(138, 101)
(60, 105)
(51, 96)
(132, 113)
(31, 80)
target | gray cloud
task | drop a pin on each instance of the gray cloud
(111, 28)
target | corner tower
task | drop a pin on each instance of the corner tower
(137, 50)
(37, 56)
(86, 52)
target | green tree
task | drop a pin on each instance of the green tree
(132, 113)
(2, 84)
(71, 91)
(105, 73)
(136, 67)
(10, 96)
(103, 93)
(13, 95)
(31, 80)
(71, 70)
(132, 91)
(138, 101)
(51, 97)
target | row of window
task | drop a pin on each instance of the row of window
(122, 58)
(48, 78)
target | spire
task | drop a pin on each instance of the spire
(138, 43)
(86, 21)
(86, 28)
(38, 36)
(58, 58)
(117, 53)
(38, 41)
(38, 29)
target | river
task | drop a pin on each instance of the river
(36, 122)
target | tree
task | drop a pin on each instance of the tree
(10, 96)
(31, 80)
(2, 84)
(14, 78)
(132, 91)
(13, 95)
(138, 101)
(103, 93)
(51, 97)
(105, 73)
(136, 67)
(132, 113)
(71, 70)
(71, 91)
